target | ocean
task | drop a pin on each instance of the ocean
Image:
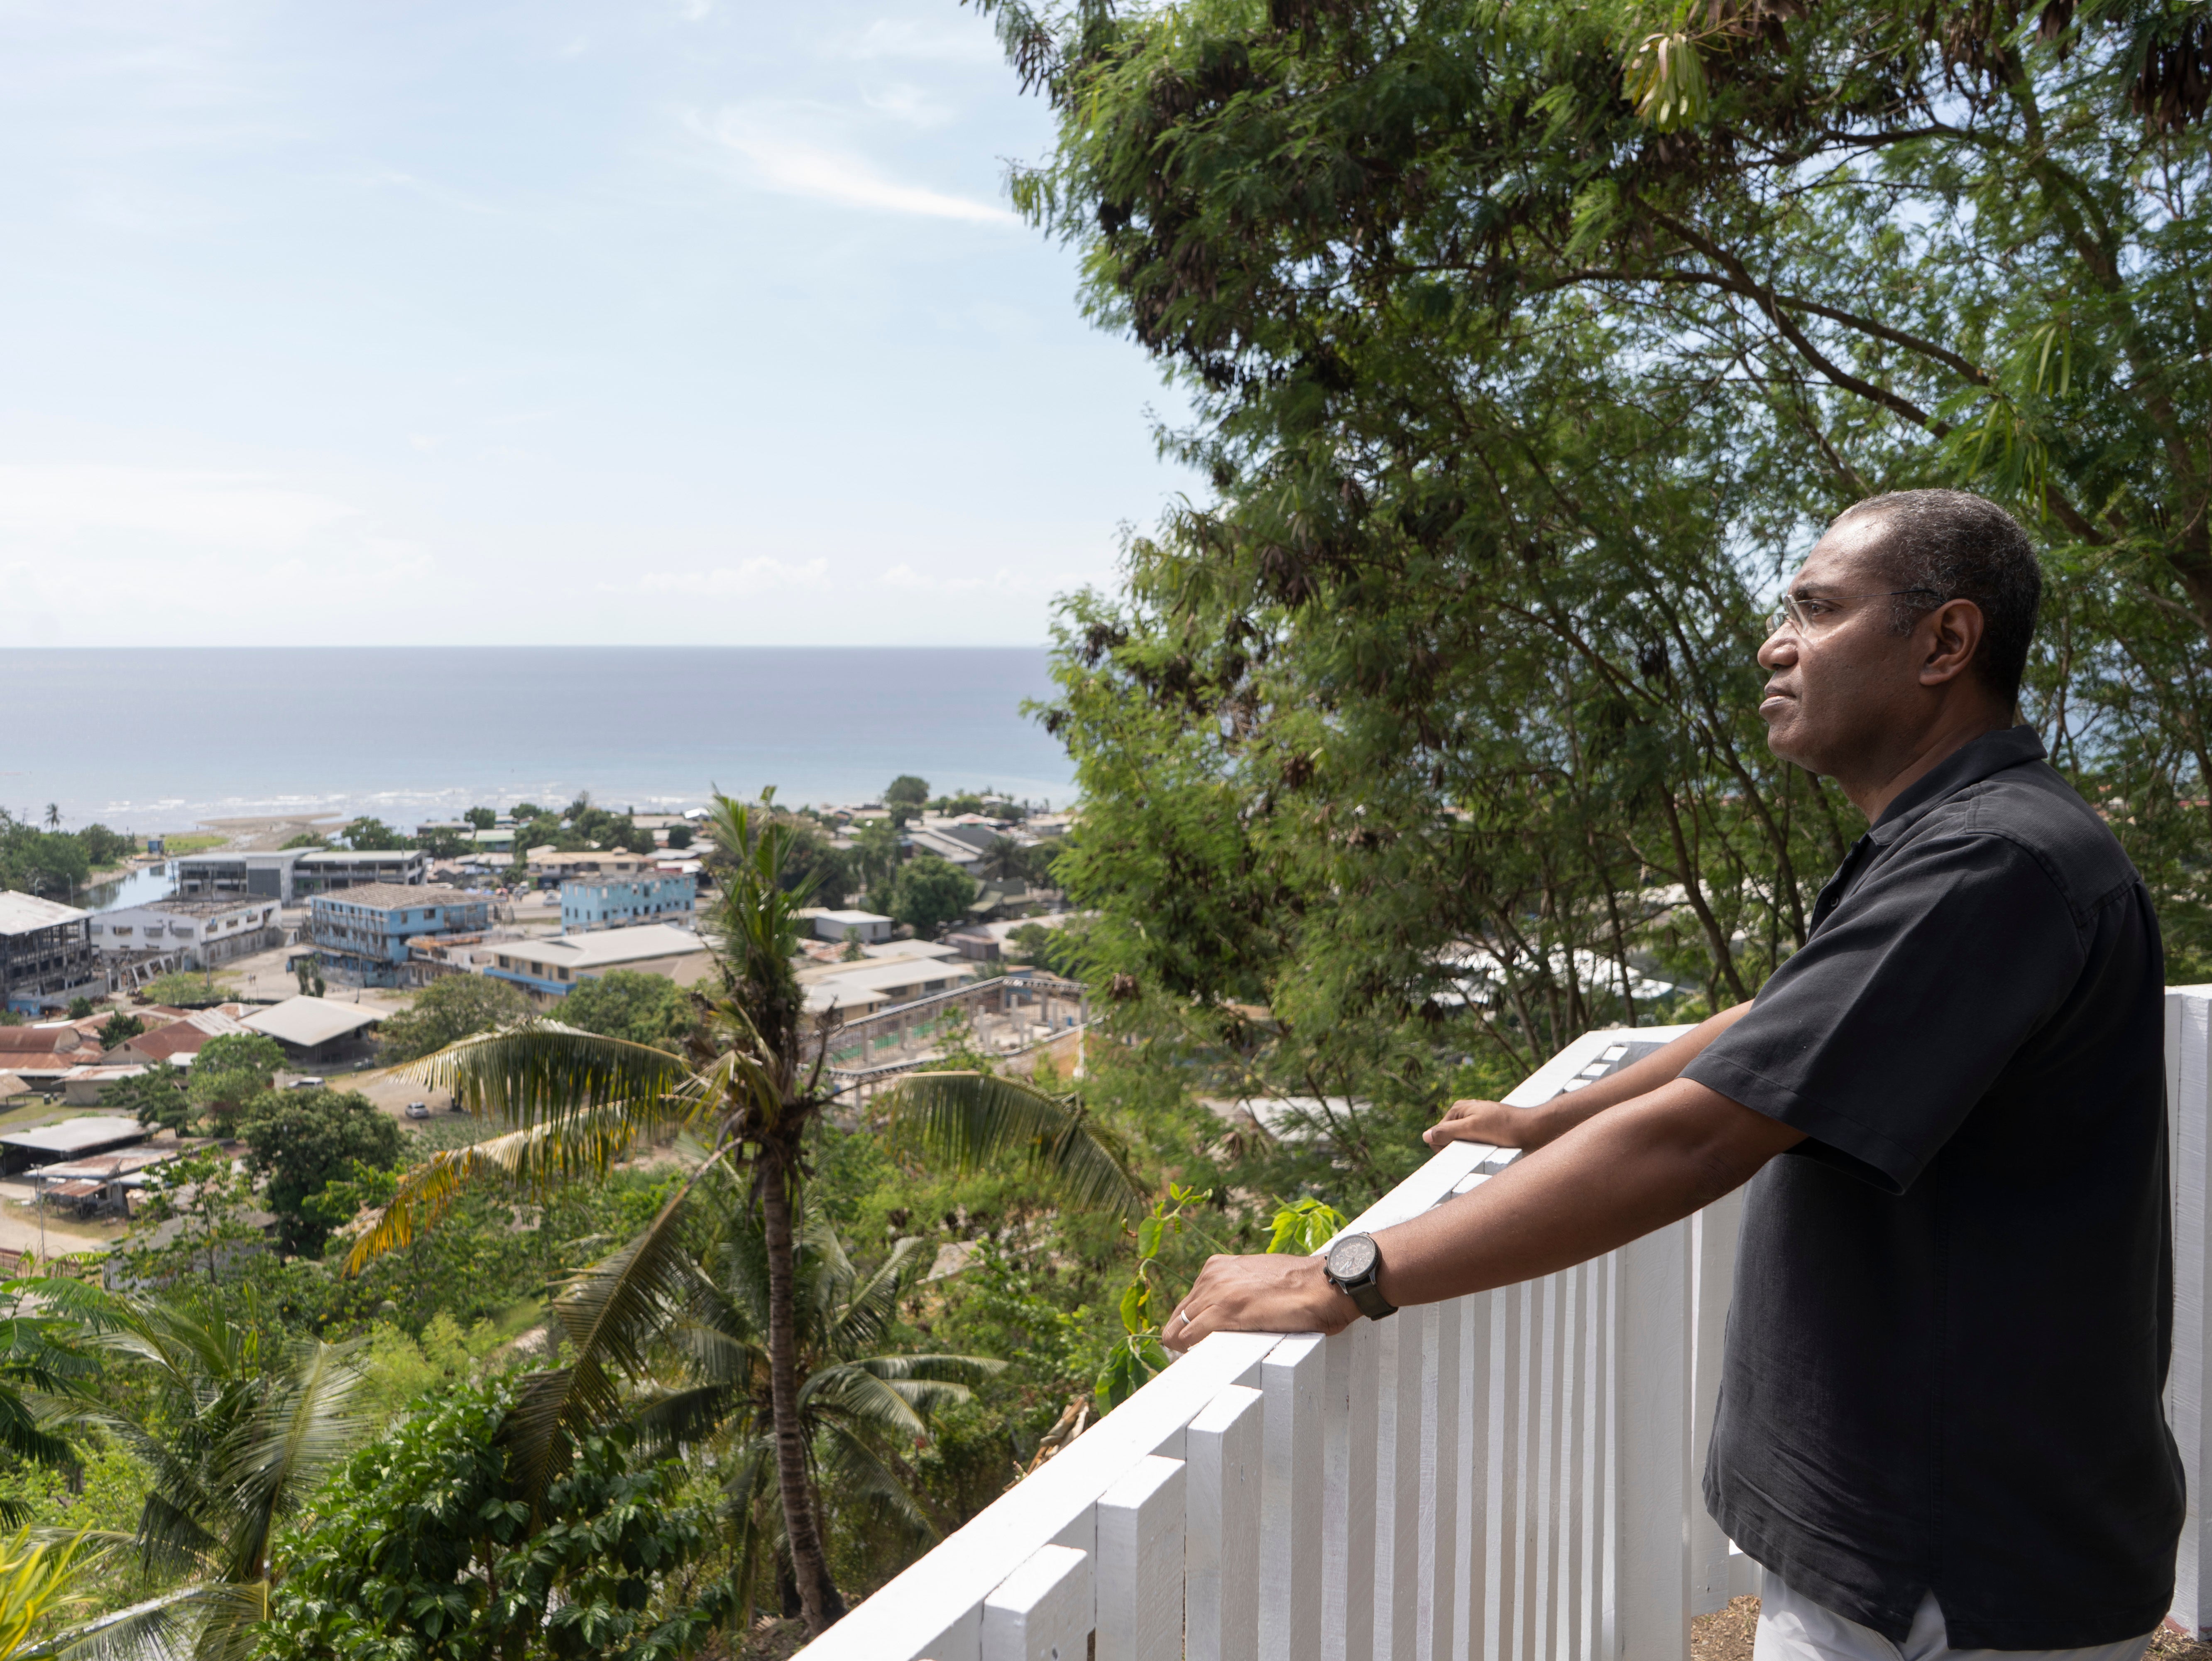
(161, 739)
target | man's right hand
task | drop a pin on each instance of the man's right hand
(1493, 1122)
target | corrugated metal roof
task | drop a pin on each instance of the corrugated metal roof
(84, 1135)
(20, 914)
(308, 1022)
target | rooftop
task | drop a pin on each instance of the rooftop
(20, 914)
(395, 896)
(360, 856)
(306, 1022)
(85, 1135)
(205, 908)
(607, 947)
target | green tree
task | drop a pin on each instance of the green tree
(306, 839)
(853, 952)
(443, 842)
(481, 818)
(930, 892)
(238, 1426)
(907, 790)
(679, 835)
(876, 858)
(751, 1080)
(118, 1029)
(866, 1409)
(304, 1139)
(368, 835)
(647, 1009)
(522, 811)
(188, 988)
(451, 1007)
(154, 1097)
(231, 1070)
(418, 1549)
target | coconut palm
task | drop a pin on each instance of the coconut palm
(857, 1400)
(749, 1080)
(237, 1427)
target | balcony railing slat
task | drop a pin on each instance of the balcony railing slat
(2189, 1131)
(1398, 1522)
(1042, 1611)
(1351, 1361)
(1223, 1469)
(1714, 1232)
(1439, 1521)
(1293, 1379)
(1140, 1563)
(1652, 1412)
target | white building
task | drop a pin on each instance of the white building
(550, 969)
(202, 932)
(867, 926)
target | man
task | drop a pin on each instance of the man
(1940, 1424)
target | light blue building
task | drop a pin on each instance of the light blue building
(589, 903)
(361, 934)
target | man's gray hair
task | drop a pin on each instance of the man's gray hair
(1951, 544)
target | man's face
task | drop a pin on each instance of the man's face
(1837, 684)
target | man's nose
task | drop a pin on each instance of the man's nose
(1780, 650)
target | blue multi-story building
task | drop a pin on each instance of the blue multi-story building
(362, 934)
(589, 903)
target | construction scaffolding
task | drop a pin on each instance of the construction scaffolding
(1007, 1016)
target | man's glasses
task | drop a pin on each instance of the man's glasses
(1805, 612)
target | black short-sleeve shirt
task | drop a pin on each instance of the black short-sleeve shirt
(1953, 1301)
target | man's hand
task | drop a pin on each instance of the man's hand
(1488, 1122)
(1268, 1293)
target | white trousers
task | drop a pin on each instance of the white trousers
(1793, 1628)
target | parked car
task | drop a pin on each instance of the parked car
(418, 1109)
(306, 1083)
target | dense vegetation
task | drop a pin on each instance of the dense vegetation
(53, 862)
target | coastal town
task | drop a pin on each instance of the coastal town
(931, 926)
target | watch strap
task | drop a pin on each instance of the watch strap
(1369, 1296)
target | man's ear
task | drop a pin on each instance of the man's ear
(1951, 633)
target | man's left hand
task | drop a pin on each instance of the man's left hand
(1278, 1293)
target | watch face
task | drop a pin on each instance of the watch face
(1353, 1258)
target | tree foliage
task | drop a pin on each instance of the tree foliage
(301, 1141)
(624, 1003)
(929, 894)
(1521, 374)
(451, 1008)
(420, 1550)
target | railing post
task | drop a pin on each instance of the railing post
(1441, 1459)
(1042, 1611)
(1223, 1477)
(1291, 1380)
(1651, 1401)
(2189, 1134)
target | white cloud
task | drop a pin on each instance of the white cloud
(797, 168)
(236, 510)
(754, 576)
(1004, 581)
(903, 102)
(938, 42)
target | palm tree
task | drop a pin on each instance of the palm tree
(750, 1080)
(53, 816)
(41, 1580)
(237, 1427)
(856, 1402)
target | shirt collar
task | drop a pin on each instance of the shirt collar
(1970, 763)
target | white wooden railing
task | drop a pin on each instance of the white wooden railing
(1511, 1476)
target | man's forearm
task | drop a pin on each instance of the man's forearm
(1661, 1067)
(1611, 1179)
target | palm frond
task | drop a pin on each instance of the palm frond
(939, 1368)
(162, 1627)
(970, 1122)
(872, 1308)
(541, 1072)
(528, 1162)
(300, 1430)
(848, 1393)
(858, 1474)
(611, 1313)
(680, 1418)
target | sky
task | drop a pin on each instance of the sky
(371, 322)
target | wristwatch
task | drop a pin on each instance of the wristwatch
(1352, 1263)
